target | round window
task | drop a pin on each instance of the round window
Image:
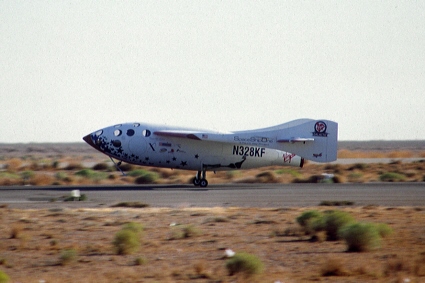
(116, 143)
(146, 133)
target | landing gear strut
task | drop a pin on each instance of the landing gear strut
(200, 179)
(117, 165)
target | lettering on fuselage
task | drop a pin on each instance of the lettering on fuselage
(252, 151)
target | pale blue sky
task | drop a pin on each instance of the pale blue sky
(68, 68)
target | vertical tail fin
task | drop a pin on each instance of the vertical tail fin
(315, 140)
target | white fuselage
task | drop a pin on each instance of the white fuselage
(136, 143)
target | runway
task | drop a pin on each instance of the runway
(225, 195)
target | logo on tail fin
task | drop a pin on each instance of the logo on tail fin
(320, 129)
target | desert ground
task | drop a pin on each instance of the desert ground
(190, 244)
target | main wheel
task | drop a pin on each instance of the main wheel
(203, 183)
(196, 181)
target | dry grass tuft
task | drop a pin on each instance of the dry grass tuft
(16, 231)
(333, 267)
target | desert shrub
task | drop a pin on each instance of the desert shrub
(190, 231)
(138, 173)
(360, 237)
(266, 177)
(27, 175)
(100, 167)
(359, 166)
(91, 174)
(333, 267)
(134, 227)
(126, 167)
(397, 264)
(383, 229)
(13, 165)
(140, 261)
(291, 172)
(67, 256)
(333, 221)
(355, 177)
(231, 174)
(245, 263)
(133, 204)
(335, 168)
(311, 179)
(338, 179)
(55, 164)
(8, 179)
(126, 242)
(16, 231)
(62, 176)
(392, 177)
(74, 166)
(336, 203)
(310, 220)
(148, 178)
(41, 180)
(184, 231)
(4, 278)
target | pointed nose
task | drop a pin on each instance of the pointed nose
(89, 140)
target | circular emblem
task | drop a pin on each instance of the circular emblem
(320, 127)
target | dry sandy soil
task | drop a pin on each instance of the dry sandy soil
(32, 241)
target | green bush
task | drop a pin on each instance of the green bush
(134, 227)
(361, 237)
(148, 178)
(126, 242)
(26, 175)
(291, 172)
(138, 173)
(68, 256)
(306, 217)
(91, 174)
(184, 231)
(383, 229)
(392, 177)
(140, 261)
(3, 277)
(310, 221)
(333, 221)
(245, 263)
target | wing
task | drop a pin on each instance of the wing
(293, 140)
(179, 134)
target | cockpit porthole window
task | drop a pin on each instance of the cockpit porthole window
(99, 133)
(146, 133)
(116, 143)
(117, 133)
(130, 132)
(117, 126)
(136, 125)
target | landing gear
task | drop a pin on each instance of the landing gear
(200, 179)
(117, 165)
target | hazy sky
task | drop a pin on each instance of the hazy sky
(68, 68)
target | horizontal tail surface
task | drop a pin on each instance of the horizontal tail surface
(316, 140)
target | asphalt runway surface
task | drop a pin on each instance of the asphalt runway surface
(224, 195)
